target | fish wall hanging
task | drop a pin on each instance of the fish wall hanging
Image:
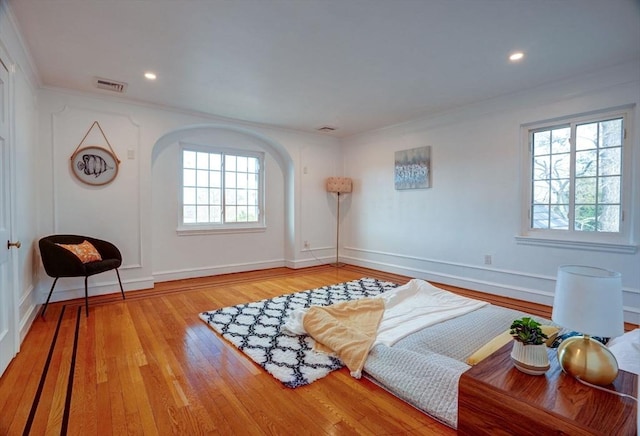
(94, 165)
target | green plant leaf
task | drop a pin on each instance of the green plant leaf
(528, 331)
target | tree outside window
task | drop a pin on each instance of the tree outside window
(221, 188)
(576, 169)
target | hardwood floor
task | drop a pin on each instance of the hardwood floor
(148, 365)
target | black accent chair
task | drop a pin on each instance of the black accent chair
(60, 262)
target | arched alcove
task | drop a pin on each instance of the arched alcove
(163, 155)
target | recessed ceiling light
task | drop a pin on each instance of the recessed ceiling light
(149, 75)
(516, 56)
(326, 129)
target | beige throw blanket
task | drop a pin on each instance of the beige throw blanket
(348, 329)
(351, 328)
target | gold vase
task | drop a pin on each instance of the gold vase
(588, 360)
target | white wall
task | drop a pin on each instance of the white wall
(224, 252)
(474, 205)
(441, 233)
(138, 211)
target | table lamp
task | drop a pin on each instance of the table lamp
(338, 185)
(588, 300)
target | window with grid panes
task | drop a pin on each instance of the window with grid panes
(221, 188)
(576, 169)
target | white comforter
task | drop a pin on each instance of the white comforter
(408, 308)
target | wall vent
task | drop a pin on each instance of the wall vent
(110, 85)
(327, 129)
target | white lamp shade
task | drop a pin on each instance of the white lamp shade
(589, 300)
(340, 185)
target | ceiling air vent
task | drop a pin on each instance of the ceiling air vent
(110, 85)
(327, 129)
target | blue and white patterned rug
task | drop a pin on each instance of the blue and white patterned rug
(255, 329)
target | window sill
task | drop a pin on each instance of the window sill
(578, 245)
(193, 231)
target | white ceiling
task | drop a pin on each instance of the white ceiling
(302, 64)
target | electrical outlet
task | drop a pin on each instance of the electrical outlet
(307, 245)
(487, 259)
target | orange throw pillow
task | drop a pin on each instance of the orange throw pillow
(86, 252)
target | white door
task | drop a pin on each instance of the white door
(7, 305)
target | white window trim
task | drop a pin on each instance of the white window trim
(225, 228)
(578, 245)
(619, 242)
(198, 229)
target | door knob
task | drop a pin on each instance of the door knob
(13, 244)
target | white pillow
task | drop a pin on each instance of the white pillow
(626, 349)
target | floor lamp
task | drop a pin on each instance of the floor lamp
(338, 185)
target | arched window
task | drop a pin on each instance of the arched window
(221, 189)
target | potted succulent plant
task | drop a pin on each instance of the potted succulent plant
(529, 353)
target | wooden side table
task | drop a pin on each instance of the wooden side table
(494, 398)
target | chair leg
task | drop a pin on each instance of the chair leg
(86, 296)
(120, 282)
(44, 309)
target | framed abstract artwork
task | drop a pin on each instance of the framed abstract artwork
(413, 168)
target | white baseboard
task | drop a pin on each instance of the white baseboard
(190, 273)
(306, 263)
(28, 311)
(73, 287)
(511, 287)
(523, 286)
